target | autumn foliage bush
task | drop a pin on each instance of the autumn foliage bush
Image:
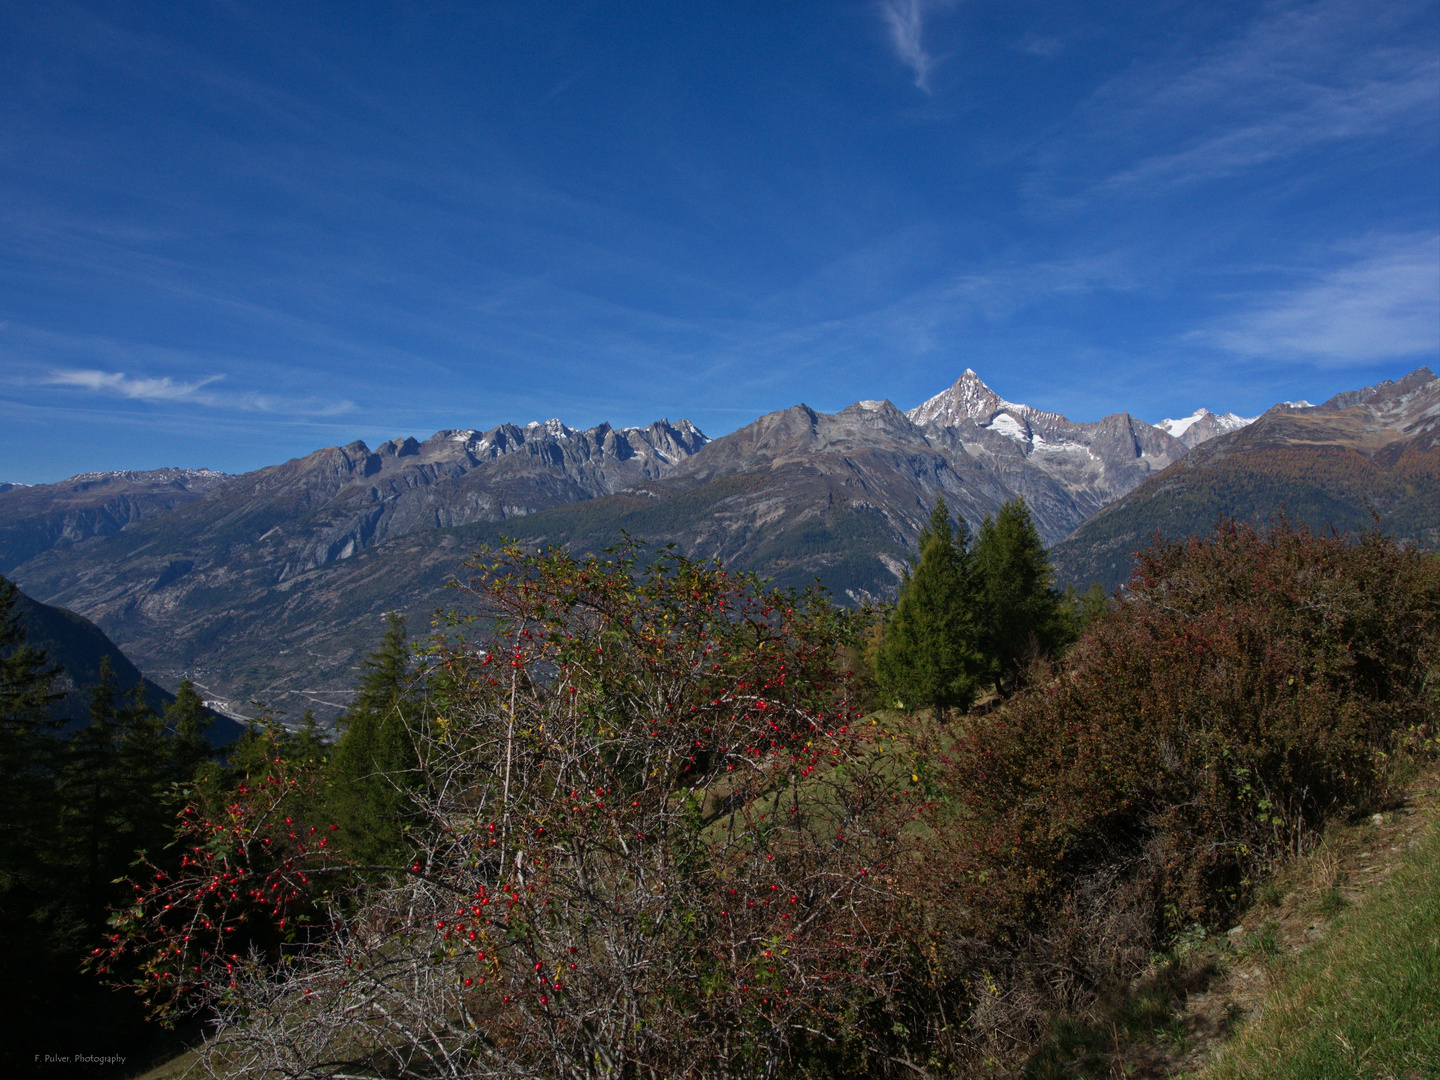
(1248, 687)
(650, 836)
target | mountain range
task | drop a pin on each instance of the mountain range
(273, 585)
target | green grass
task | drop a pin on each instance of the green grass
(1365, 1002)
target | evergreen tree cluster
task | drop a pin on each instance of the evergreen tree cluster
(972, 615)
(74, 812)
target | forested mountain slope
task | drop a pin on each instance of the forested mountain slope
(1362, 455)
(79, 646)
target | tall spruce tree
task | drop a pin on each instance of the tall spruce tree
(114, 787)
(1023, 617)
(373, 767)
(930, 655)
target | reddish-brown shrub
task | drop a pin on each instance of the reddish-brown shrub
(1247, 687)
(648, 841)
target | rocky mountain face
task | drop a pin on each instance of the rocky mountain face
(342, 499)
(1066, 470)
(273, 585)
(36, 518)
(176, 589)
(1363, 454)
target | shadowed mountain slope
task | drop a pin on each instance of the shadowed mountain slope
(78, 645)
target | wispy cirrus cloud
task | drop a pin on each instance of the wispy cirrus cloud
(1045, 47)
(141, 388)
(905, 19)
(1384, 304)
(165, 390)
(1301, 76)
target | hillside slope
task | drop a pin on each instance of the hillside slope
(1363, 455)
(78, 645)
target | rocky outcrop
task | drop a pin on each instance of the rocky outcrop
(35, 518)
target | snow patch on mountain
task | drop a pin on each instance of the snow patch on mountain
(1010, 427)
(552, 427)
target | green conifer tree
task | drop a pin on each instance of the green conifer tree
(373, 767)
(144, 776)
(114, 788)
(307, 744)
(88, 790)
(929, 655)
(72, 813)
(1023, 616)
(187, 720)
(31, 965)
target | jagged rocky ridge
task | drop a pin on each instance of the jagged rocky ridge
(35, 518)
(181, 589)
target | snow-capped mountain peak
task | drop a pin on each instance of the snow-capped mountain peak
(1202, 425)
(1179, 427)
(554, 428)
(968, 399)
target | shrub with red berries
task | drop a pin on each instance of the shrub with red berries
(649, 839)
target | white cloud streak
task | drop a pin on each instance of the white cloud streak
(118, 384)
(905, 19)
(165, 390)
(1383, 305)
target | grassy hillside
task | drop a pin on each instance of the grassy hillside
(1365, 1001)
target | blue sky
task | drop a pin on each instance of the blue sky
(234, 231)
